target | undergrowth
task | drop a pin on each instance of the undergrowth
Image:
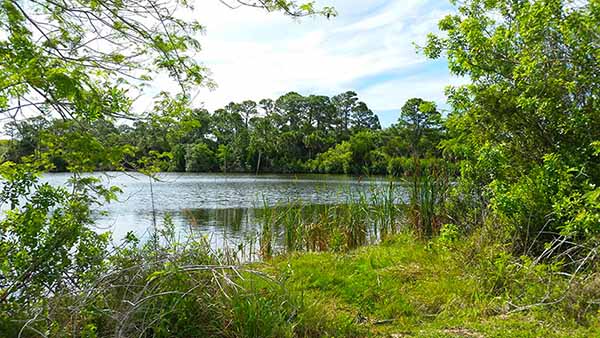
(403, 287)
(443, 288)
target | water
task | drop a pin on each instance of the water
(224, 208)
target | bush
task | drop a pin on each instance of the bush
(166, 288)
(336, 160)
(199, 158)
(398, 166)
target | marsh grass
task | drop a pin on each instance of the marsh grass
(331, 283)
(174, 288)
(364, 217)
(428, 190)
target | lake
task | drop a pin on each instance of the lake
(224, 207)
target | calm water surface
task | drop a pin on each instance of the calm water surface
(225, 208)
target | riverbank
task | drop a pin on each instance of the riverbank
(402, 287)
(407, 288)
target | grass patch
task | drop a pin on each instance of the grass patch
(404, 287)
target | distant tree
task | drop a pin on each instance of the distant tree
(363, 118)
(199, 158)
(226, 125)
(337, 160)
(418, 120)
(25, 136)
(321, 112)
(362, 144)
(345, 105)
(353, 115)
(248, 110)
(263, 133)
(267, 107)
(292, 108)
(225, 157)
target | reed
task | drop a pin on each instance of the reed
(365, 217)
(266, 234)
(427, 195)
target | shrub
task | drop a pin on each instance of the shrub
(336, 160)
(199, 158)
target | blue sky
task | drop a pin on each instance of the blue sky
(368, 48)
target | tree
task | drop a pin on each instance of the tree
(248, 110)
(25, 137)
(199, 158)
(344, 104)
(229, 130)
(292, 108)
(363, 118)
(262, 134)
(226, 124)
(362, 144)
(336, 160)
(527, 127)
(225, 157)
(321, 113)
(353, 114)
(267, 106)
(419, 119)
(82, 61)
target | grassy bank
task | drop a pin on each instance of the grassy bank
(368, 268)
(407, 288)
(402, 287)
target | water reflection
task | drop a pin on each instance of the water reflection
(230, 219)
(222, 207)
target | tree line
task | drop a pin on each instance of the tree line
(291, 134)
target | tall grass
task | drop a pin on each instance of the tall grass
(168, 288)
(266, 235)
(427, 195)
(389, 215)
(364, 217)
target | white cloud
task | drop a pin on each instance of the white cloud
(388, 16)
(254, 55)
(392, 94)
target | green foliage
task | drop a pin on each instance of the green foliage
(46, 240)
(295, 133)
(335, 160)
(78, 65)
(420, 122)
(449, 233)
(224, 154)
(166, 288)
(199, 158)
(362, 144)
(525, 132)
(405, 166)
(526, 126)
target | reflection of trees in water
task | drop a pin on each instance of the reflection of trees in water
(230, 218)
(247, 219)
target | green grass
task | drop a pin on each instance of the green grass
(405, 287)
(402, 287)
(363, 218)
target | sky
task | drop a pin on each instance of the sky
(368, 48)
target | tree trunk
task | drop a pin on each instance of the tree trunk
(258, 162)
